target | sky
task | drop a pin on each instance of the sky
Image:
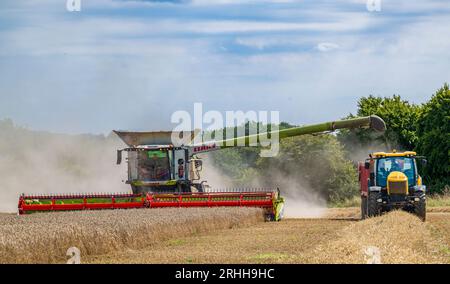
(120, 64)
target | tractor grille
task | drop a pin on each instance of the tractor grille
(398, 187)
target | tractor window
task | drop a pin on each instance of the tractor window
(399, 164)
(153, 165)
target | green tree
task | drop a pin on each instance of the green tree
(434, 139)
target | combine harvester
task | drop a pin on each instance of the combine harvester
(162, 174)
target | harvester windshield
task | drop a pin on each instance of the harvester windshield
(395, 164)
(153, 165)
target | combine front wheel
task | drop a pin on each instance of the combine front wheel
(137, 189)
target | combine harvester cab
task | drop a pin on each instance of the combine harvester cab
(166, 174)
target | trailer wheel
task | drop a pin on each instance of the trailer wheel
(363, 207)
(373, 208)
(420, 209)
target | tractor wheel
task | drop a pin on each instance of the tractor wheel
(363, 207)
(420, 209)
(373, 208)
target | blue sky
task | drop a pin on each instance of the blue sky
(130, 64)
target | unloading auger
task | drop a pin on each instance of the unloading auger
(163, 173)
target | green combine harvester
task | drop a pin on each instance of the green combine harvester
(166, 173)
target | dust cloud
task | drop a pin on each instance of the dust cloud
(356, 151)
(300, 199)
(41, 162)
(213, 176)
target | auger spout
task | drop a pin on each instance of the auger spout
(374, 122)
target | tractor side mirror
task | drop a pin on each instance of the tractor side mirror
(424, 162)
(367, 165)
(119, 157)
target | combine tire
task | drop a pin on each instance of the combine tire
(183, 188)
(137, 189)
(363, 207)
(269, 217)
(421, 209)
(197, 188)
(373, 208)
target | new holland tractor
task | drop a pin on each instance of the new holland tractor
(391, 181)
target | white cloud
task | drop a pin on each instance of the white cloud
(357, 22)
(327, 46)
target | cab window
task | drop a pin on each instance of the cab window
(399, 164)
(153, 165)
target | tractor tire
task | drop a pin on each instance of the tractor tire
(373, 208)
(363, 207)
(420, 209)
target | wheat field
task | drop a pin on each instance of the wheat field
(400, 237)
(178, 235)
(45, 237)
